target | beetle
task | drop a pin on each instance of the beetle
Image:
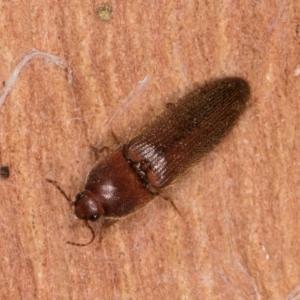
(130, 177)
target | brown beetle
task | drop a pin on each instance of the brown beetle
(128, 178)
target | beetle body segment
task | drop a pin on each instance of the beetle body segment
(116, 187)
(189, 129)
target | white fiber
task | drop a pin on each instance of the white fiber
(295, 294)
(27, 56)
(132, 95)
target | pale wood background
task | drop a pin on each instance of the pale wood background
(240, 235)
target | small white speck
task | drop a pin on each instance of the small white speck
(267, 254)
(297, 71)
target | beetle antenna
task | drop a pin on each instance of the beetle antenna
(60, 190)
(86, 223)
(72, 203)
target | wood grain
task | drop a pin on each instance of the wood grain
(239, 237)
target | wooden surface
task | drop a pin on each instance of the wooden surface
(239, 237)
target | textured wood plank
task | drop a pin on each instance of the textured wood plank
(240, 236)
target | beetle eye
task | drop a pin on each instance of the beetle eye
(94, 217)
